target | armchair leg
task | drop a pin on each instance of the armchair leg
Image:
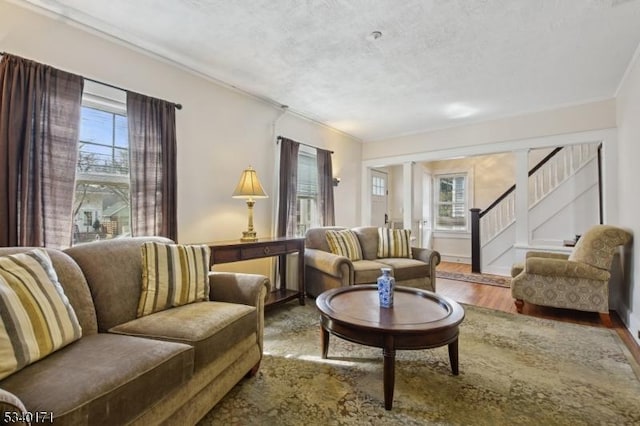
(606, 319)
(519, 305)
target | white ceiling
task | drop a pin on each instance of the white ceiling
(439, 63)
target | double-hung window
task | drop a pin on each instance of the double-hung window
(102, 203)
(451, 202)
(307, 194)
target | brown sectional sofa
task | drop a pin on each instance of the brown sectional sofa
(325, 270)
(169, 367)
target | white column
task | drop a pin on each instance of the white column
(407, 194)
(522, 197)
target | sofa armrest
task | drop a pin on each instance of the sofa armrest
(9, 403)
(426, 255)
(247, 289)
(329, 263)
(564, 268)
(547, 255)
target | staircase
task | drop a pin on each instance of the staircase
(493, 230)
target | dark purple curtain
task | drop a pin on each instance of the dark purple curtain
(152, 144)
(325, 188)
(288, 187)
(39, 126)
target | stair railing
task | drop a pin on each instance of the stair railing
(544, 177)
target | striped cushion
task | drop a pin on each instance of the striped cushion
(37, 318)
(173, 275)
(394, 242)
(344, 243)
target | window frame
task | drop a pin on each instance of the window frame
(307, 204)
(115, 107)
(468, 200)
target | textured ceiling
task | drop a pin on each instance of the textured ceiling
(439, 63)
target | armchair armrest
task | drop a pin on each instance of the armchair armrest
(329, 263)
(9, 403)
(564, 268)
(546, 255)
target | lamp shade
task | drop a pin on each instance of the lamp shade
(249, 185)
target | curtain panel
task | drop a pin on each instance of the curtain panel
(152, 144)
(39, 127)
(288, 187)
(325, 188)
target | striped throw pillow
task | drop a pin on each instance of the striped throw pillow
(394, 242)
(344, 243)
(173, 275)
(37, 318)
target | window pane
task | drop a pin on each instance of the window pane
(121, 132)
(96, 126)
(446, 189)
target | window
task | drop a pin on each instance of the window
(102, 206)
(378, 186)
(451, 203)
(307, 194)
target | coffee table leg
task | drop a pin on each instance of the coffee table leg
(324, 340)
(389, 356)
(453, 356)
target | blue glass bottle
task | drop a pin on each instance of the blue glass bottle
(386, 282)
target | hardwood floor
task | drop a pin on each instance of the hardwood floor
(499, 298)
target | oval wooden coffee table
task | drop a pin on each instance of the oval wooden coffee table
(419, 319)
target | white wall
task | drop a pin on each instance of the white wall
(220, 131)
(628, 116)
(579, 118)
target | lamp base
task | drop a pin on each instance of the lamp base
(249, 236)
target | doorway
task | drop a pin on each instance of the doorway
(379, 198)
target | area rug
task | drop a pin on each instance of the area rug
(514, 370)
(497, 280)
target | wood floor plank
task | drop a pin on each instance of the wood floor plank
(499, 298)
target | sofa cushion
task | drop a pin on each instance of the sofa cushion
(102, 379)
(113, 270)
(73, 282)
(406, 269)
(344, 243)
(315, 238)
(367, 271)
(210, 327)
(368, 236)
(394, 243)
(173, 275)
(37, 318)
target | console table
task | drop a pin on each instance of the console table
(236, 250)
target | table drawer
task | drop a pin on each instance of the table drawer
(225, 255)
(270, 250)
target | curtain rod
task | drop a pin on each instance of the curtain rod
(177, 106)
(305, 144)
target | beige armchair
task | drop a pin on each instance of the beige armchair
(577, 281)
(325, 270)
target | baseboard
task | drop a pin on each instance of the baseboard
(630, 321)
(455, 258)
(497, 270)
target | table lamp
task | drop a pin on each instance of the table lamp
(249, 187)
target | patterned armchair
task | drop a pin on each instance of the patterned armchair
(579, 281)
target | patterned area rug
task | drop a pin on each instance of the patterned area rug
(514, 370)
(497, 280)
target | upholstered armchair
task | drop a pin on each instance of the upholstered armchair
(577, 281)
